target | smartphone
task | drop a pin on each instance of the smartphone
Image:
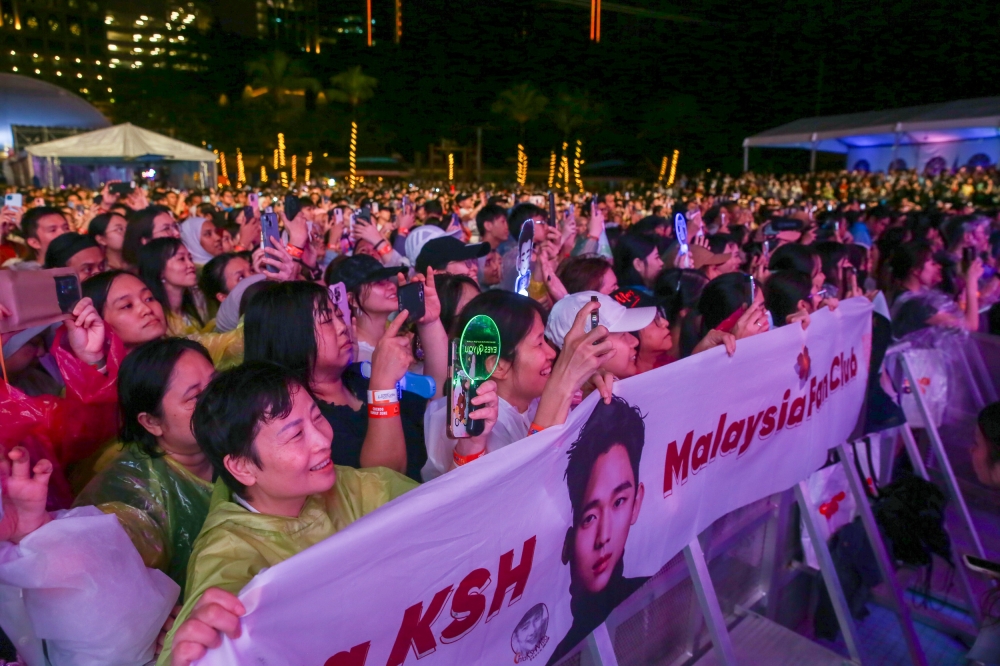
(552, 209)
(292, 206)
(411, 299)
(338, 294)
(269, 234)
(968, 256)
(406, 205)
(14, 200)
(595, 318)
(253, 201)
(338, 215)
(38, 298)
(845, 280)
(982, 566)
(460, 392)
(753, 288)
(375, 207)
(122, 189)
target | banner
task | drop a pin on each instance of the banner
(516, 557)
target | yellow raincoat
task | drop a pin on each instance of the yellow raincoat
(226, 349)
(236, 544)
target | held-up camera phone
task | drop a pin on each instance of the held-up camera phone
(269, 234)
(982, 566)
(338, 215)
(37, 298)
(461, 391)
(406, 205)
(375, 207)
(338, 294)
(753, 288)
(14, 200)
(411, 299)
(845, 280)
(968, 257)
(552, 209)
(122, 189)
(253, 201)
(292, 206)
(595, 318)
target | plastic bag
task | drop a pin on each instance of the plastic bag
(86, 592)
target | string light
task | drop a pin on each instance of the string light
(284, 179)
(309, 161)
(663, 168)
(352, 157)
(552, 168)
(522, 165)
(281, 150)
(577, 163)
(263, 174)
(275, 159)
(564, 170)
(295, 168)
(222, 165)
(673, 167)
(451, 167)
(240, 172)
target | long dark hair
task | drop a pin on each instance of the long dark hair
(629, 248)
(153, 258)
(514, 314)
(142, 382)
(139, 229)
(213, 275)
(279, 326)
(449, 290)
(721, 298)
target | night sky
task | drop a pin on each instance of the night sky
(700, 81)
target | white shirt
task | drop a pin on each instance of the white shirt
(511, 426)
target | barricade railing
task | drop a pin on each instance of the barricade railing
(692, 582)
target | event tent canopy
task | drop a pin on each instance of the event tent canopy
(960, 120)
(124, 142)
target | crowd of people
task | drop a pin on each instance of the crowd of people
(218, 401)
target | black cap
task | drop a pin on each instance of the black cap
(439, 252)
(633, 298)
(360, 269)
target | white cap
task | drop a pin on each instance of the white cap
(419, 236)
(612, 315)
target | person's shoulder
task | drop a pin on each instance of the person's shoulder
(368, 488)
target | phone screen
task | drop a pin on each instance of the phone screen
(67, 292)
(552, 209)
(292, 206)
(253, 200)
(338, 294)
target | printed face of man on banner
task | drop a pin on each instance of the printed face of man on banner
(604, 489)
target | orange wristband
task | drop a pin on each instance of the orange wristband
(295, 252)
(535, 428)
(383, 411)
(461, 460)
(383, 248)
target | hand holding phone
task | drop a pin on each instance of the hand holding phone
(37, 298)
(13, 200)
(269, 234)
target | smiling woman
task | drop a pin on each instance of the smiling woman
(165, 265)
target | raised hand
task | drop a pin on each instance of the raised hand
(217, 612)
(392, 356)
(25, 490)
(86, 332)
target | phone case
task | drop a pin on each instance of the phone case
(460, 392)
(37, 298)
(411, 299)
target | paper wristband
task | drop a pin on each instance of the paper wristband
(294, 252)
(382, 397)
(461, 460)
(535, 428)
(383, 411)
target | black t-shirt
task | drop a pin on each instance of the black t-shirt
(350, 427)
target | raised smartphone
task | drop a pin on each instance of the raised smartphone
(411, 299)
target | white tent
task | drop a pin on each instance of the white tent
(116, 153)
(122, 142)
(950, 133)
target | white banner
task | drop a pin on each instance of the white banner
(496, 563)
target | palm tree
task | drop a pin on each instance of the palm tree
(278, 76)
(352, 87)
(572, 111)
(522, 104)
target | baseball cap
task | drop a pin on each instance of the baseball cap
(420, 236)
(613, 315)
(360, 269)
(701, 257)
(439, 252)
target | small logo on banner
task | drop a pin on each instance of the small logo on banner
(803, 365)
(529, 637)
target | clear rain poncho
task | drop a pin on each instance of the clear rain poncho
(160, 504)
